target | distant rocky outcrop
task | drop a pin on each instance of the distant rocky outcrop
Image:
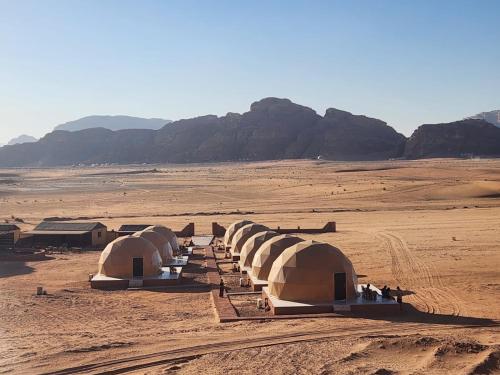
(113, 123)
(272, 129)
(456, 139)
(22, 139)
(493, 117)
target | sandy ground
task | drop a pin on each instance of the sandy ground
(431, 227)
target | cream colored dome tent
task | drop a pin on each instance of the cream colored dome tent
(268, 252)
(160, 242)
(305, 272)
(232, 229)
(253, 244)
(243, 234)
(117, 259)
(168, 234)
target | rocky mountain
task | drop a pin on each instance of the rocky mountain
(113, 123)
(493, 117)
(272, 129)
(22, 139)
(455, 139)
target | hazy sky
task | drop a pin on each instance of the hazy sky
(405, 62)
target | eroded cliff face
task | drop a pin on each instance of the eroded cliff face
(272, 129)
(455, 139)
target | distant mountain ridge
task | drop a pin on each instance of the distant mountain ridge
(493, 117)
(113, 123)
(22, 139)
(272, 129)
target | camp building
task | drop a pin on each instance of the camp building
(71, 234)
(9, 234)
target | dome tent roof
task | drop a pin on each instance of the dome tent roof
(167, 233)
(243, 234)
(232, 229)
(117, 258)
(253, 244)
(304, 272)
(159, 241)
(268, 252)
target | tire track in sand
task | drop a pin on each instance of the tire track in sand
(433, 296)
(161, 358)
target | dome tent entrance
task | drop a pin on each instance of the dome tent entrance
(118, 258)
(307, 272)
(133, 261)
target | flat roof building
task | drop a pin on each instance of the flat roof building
(9, 235)
(71, 234)
(127, 229)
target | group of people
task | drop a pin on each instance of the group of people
(387, 293)
(368, 293)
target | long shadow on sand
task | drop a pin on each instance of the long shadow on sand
(9, 269)
(411, 315)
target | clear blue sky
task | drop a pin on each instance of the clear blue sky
(406, 62)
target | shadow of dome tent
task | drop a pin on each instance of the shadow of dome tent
(305, 272)
(160, 242)
(168, 234)
(270, 250)
(252, 245)
(243, 234)
(117, 258)
(232, 229)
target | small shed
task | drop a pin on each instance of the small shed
(9, 235)
(57, 233)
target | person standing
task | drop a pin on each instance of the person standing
(399, 297)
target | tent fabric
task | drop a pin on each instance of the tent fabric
(168, 234)
(233, 228)
(160, 242)
(268, 252)
(117, 258)
(304, 272)
(253, 244)
(243, 234)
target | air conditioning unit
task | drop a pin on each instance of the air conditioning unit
(260, 304)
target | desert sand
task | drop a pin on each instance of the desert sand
(430, 226)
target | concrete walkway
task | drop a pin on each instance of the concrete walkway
(224, 310)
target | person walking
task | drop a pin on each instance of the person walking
(221, 288)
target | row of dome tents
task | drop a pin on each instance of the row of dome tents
(150, 257)
(295, 275)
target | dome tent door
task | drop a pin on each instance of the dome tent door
(137, 267)
(339, 284)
